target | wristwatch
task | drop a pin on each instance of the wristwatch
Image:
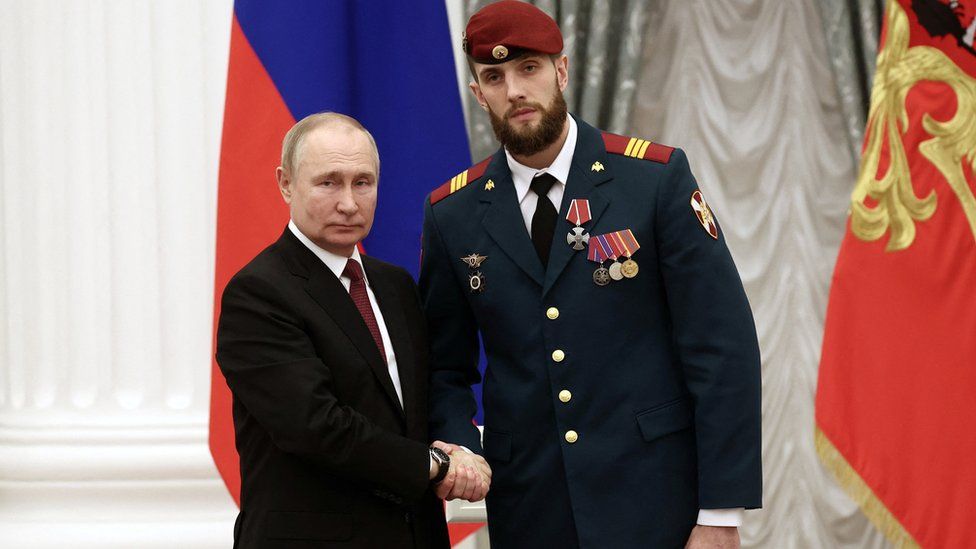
(443, 462)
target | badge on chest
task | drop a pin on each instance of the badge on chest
(476, 279)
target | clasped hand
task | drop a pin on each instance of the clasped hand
(468, 477)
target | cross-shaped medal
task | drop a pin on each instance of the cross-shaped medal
(577, 238)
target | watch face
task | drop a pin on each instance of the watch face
(440, 456)
(443, 463)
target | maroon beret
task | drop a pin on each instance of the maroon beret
(504, 30)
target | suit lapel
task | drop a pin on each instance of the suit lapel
(504, 221)
(396, 326)
(583, 182)
(328, 292)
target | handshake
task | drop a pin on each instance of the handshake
(468, 476)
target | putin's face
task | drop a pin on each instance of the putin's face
(332, 194)
(524, 99)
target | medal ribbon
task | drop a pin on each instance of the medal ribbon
(607, 248)
(617, 243)
(579, 211)
(629, 242)
(596, 253)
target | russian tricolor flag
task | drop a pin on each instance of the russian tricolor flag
(389, 64)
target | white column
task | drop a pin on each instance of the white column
(110, 116)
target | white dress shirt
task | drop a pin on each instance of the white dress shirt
(337, 264)
(522, 176)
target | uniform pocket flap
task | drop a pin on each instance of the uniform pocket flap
(666, 418)
(312, 526)
(498, 446)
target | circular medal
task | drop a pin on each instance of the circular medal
(476, 281)
(615, 271)
(601, 276)
(629, 269)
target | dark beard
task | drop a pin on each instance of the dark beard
(531, 141)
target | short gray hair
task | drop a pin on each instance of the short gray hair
(295, 138)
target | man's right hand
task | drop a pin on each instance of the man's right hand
(468, 478)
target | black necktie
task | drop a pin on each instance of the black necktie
(544, 218)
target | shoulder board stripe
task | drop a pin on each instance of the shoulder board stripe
(459, 181)
(635, 147)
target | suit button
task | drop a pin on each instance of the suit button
(571, 436)
(552, 313)
(565, 395)
(558, 355)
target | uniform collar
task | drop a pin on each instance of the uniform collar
(336, 263)
(522, 175)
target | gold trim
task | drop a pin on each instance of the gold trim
(464, 179)
(630, 145)
(637, 145)
(953, 142)
(643, 149)
(861, 493)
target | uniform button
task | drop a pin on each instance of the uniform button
(558, 355)
(552, 313)
(571, 436)
(565, 395)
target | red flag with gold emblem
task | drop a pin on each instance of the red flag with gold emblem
(896, 398)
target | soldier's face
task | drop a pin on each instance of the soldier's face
(525, 101)
(332, 194)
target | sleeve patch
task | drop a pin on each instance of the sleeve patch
(704, 214)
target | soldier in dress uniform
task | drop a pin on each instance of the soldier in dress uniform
(622, 392)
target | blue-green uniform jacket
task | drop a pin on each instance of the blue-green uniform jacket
(662, 370)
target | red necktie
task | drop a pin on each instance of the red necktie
(357, 291)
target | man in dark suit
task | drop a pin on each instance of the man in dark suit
(621, 402)
(325, 351)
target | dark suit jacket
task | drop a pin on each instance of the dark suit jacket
(328, 456)
(663, 368)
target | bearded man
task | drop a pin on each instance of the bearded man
(622, 391)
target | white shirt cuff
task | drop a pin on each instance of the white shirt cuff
(721, 517)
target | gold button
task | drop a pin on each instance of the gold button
(552, 313)
(499, 52)
(558, 355)
(571, 436)
(565, 395)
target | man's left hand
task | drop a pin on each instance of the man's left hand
(713, 537)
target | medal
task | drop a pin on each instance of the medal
(616, 250)
(597, 254)
(476, 279)
(629, 269)
(577, 238)
(630, 246)
(601, 276)
(578, 214)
